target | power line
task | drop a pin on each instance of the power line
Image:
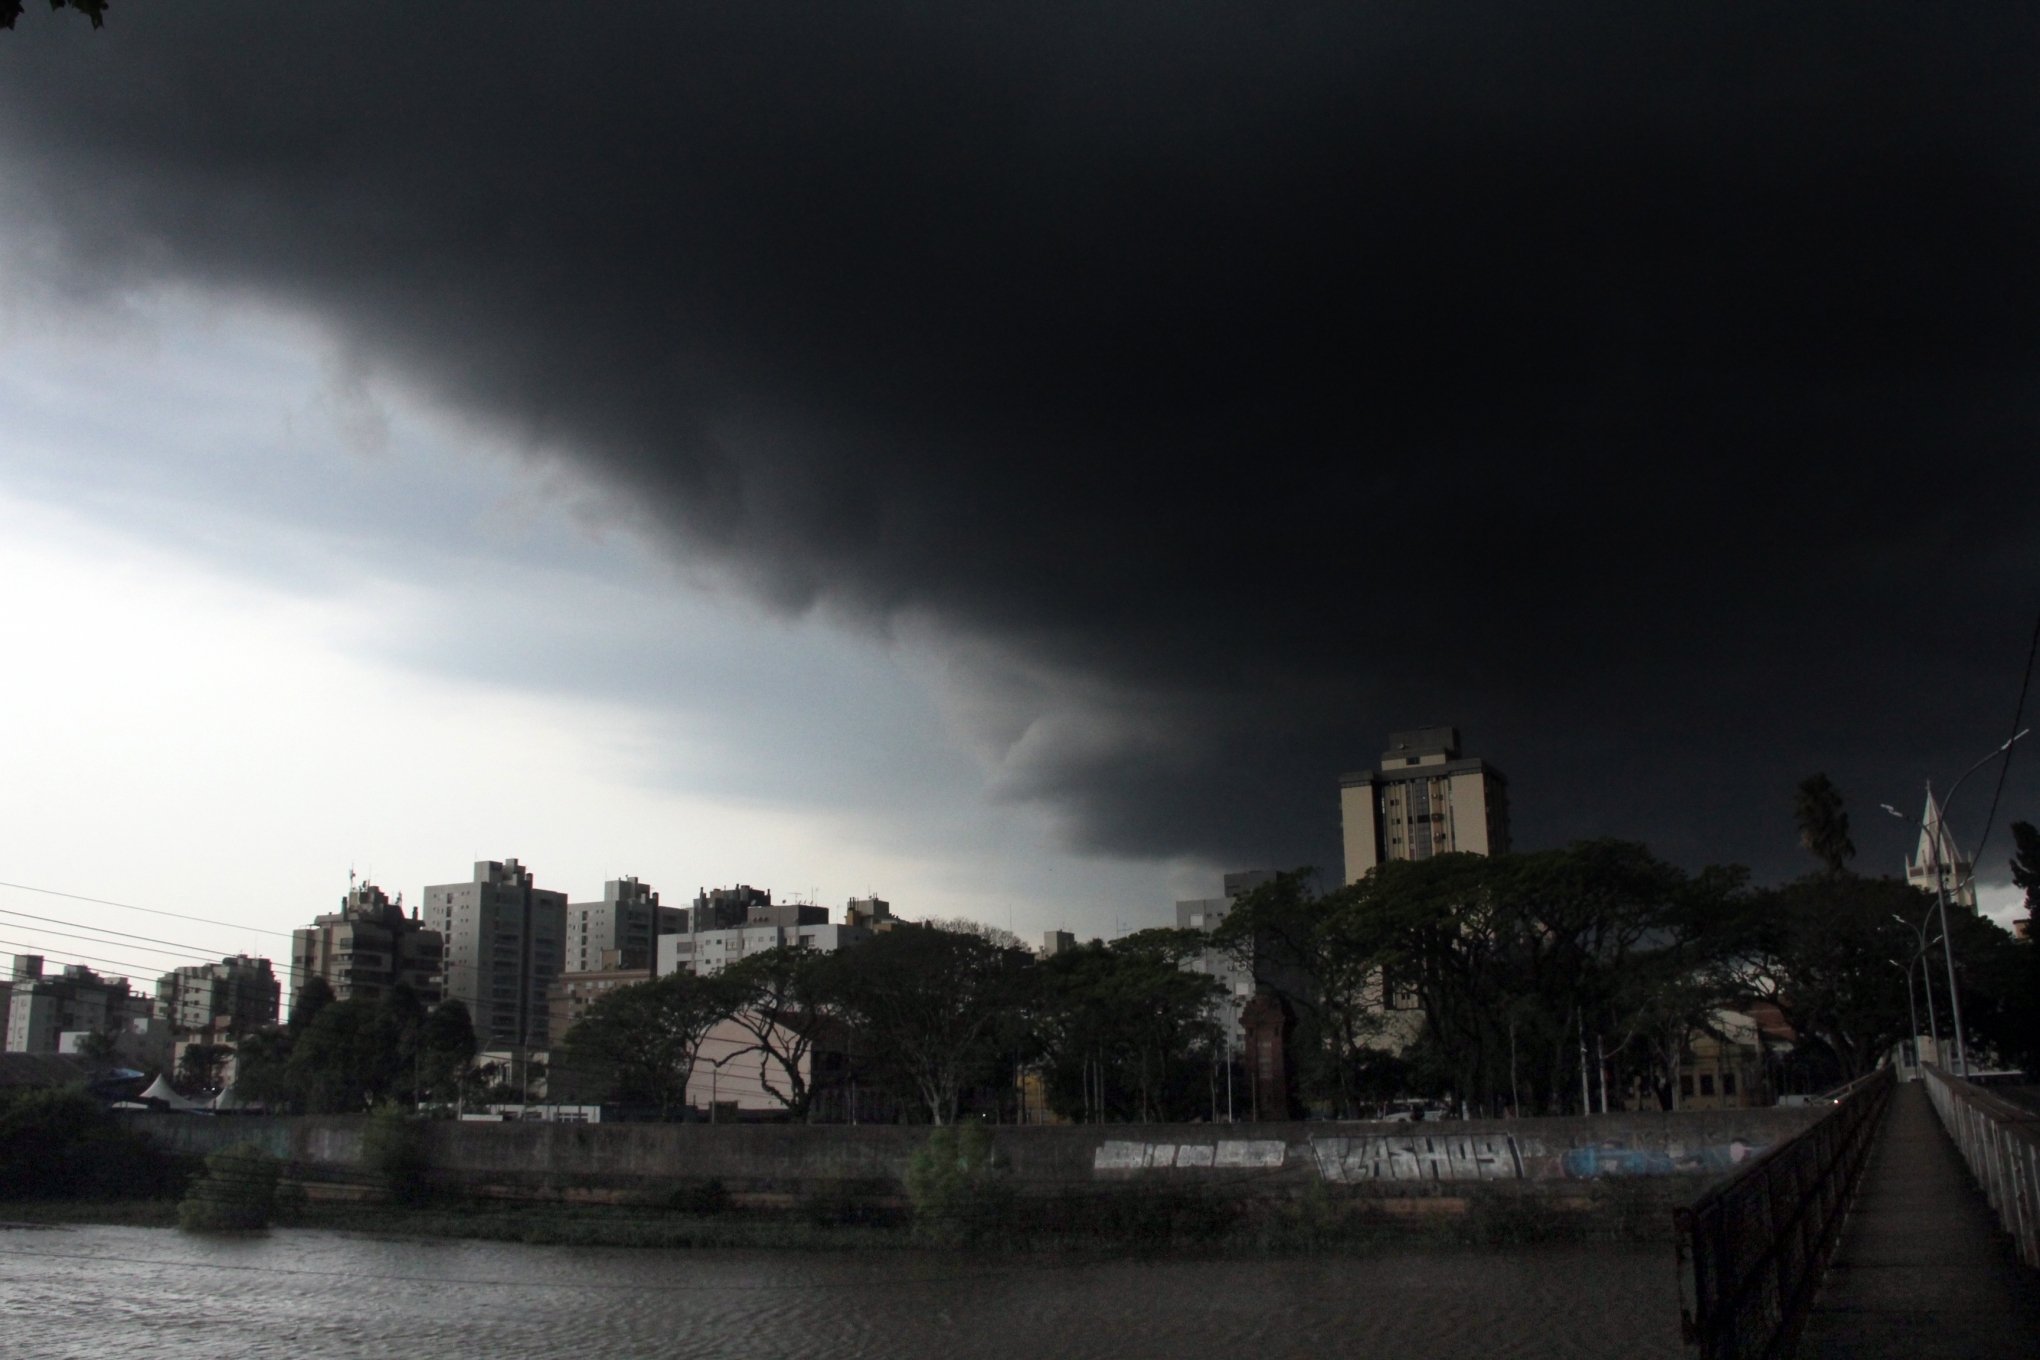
(2004, 769)
(174, 947)
(152, 911)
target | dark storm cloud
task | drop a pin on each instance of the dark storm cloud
(1654, 397)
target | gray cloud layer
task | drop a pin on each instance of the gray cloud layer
(1653, 397)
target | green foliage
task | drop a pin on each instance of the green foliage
(198, 1070)
(1125, 1032)
(313, 997)
(62, 1144)
(237, 1193)
(1508, 961)
(1824, 950)
(954, 1185)
(2026, 863)
(940, 1012)
(639, 1044)
(393, 1152)
(782, 999)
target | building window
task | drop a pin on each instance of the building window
(1686, 1087)
(1728, 1083)
(1706, 1083)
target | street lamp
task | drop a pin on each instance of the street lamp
(1912, 1010)
(1938, 834)
(1919, 960)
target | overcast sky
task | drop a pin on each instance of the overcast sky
(1010, 459)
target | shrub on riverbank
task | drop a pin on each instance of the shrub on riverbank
(393, 1150)
(955, 1186)
(63, 1144)
(237, 1193)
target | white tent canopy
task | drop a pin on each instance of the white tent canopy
(159, 1089)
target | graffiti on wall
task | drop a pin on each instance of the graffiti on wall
(1419, 1157)
(1615, 1157)
(1258, 1153)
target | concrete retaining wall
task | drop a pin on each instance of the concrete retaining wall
(606, 1161)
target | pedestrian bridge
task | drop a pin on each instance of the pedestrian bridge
(1905, 1224)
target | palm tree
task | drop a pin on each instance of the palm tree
(1824, 824)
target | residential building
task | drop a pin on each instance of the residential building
(1235, 972)
(627, 921)
(572, 993)
(1425, 800)
(41, 1008)
(505, 944)
(1937, 859)
(366, 948)
(735, 922)
(219, 1000)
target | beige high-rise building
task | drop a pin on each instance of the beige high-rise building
(366, 948)
(1425, 800)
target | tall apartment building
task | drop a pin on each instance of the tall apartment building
(1425, 800)
(627, 922)
(505, 945)
(40, 1007)
(231, 997)
(1937, 859)
(366, 948)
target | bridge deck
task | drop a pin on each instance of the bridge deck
(1923, 1268)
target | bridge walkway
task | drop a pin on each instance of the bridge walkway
(1922, 1268)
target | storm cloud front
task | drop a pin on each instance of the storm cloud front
(1215, 388)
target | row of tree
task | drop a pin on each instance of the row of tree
(339, 1057)
(933, 1020)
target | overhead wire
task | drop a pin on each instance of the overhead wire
(2011, 746)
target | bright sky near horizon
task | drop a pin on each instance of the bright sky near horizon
(270, 627)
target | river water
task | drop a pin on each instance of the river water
(307, 1295)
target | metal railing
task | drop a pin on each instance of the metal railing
(2001, 1143)
(1751, 1250)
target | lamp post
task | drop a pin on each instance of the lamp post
(1938, 835)
(1919, 960)
(1911, 1010)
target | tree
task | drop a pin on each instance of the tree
(198, 1070)
(1824, 823)
(942, 1009)
(1824, 949)
(1126, 1032)
(639, 1044)
(2026, 862)
(95, 10)
(782, 1000)
(262, 1072)
(446, 1049)
(313, 997)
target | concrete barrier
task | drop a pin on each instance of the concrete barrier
(1383, 1160)
(2001, 1143)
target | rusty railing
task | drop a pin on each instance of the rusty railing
(1752, 1249)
